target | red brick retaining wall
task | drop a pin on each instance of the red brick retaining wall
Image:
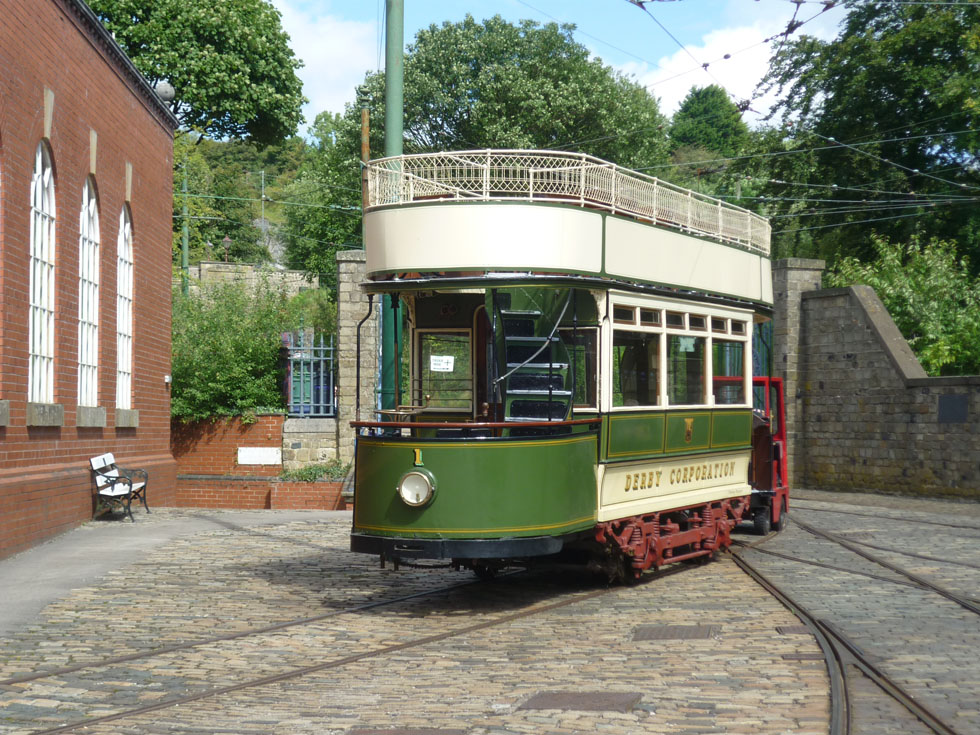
(209, 475)
(307, 496)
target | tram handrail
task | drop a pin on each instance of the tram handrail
(469, 424)
(559, 176)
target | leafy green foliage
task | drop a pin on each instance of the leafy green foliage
(900, 84)
(474, 85)
(333, 470)
(328, 185)
(929, 292)
(227, 341)
(709, 120)
(218, 206)
(229, 62)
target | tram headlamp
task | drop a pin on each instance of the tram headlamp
(416, 487)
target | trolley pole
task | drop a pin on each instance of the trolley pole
(394, 127)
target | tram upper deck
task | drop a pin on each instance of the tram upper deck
(507, 213)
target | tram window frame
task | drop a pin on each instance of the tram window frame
(698, 390)
(419, 383)
(694, 380)
(723, 384)
(619, 392)
(590, 365)
(620, 317)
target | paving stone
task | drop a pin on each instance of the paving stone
(238, 579)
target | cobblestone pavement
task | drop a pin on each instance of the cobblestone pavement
(927, 643)
(744, 678)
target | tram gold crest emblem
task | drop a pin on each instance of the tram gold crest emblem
(688, 430)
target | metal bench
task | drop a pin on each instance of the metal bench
(118, 486)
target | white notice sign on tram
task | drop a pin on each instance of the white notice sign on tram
(441, 363)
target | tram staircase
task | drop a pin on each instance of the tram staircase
(537, 383)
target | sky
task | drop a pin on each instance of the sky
(339, 40)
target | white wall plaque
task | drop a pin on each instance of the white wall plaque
(260, 455)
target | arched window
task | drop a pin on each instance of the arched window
(88, 297)
(124, 312)
(42, 281)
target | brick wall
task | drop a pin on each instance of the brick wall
(99, 120)
(208, 472)
(211, 447)
(307, 496)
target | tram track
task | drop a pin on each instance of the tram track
(801, 505)
(840, 653)
(190, 645)
(296, 672)
(919, 580)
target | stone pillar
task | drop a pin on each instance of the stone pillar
(791, 277)
(352, 307)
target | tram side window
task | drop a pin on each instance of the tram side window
(685, 370)
(728, 366)
(445, 372)
(582, 359)
(636, 363)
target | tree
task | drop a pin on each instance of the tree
(480, 85)
(709, 120)
(229, 62)
(931, 295)
(890, 114)
(219, 205)
(325, 214)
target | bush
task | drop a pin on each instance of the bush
(226, 350)
(929, 292)
(332, 470)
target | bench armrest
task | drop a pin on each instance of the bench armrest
(133, 473)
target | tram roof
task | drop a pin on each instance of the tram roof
(554, 212)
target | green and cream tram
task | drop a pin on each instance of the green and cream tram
(576, 364)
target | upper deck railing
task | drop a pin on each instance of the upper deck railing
(555, 176)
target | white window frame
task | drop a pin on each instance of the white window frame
(88, 297)
(687, 308)
(41, 322)
(124, 311)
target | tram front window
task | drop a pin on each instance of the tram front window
(445, 372)
(685, 370)
(636, 359)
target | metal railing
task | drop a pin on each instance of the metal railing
(310, 382)
(555, 176)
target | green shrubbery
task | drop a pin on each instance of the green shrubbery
(931, 295)
(332, 470)
(227, 347)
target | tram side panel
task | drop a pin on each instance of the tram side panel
(495, 488)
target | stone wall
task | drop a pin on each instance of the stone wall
(308, 441)
(872, 419)
(791, 278)
(353, 308)
(861, 412)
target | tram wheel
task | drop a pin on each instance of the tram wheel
(762, 522)
(781, 523)
(484, 572)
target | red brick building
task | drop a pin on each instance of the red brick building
(86, 153)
